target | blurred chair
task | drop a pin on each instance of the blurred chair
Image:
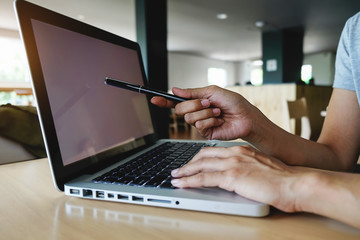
(177, 121)
(298, 110)
(11, 151)
(20, 134)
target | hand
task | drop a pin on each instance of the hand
(259, 177)
(215, 112)
(245, 171)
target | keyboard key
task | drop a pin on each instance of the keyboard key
(140, 180)
(156, 181)
(158, 162)
(124, 180)
(167, 184)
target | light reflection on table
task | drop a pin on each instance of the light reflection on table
(31, 208)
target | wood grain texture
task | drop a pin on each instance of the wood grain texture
(31, 208)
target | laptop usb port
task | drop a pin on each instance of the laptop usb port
(75, 191)
(137, 199)
(87, 193)
(122, 197)
(100, 194)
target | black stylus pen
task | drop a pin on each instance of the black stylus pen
(144, 90)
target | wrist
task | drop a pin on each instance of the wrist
(315, 191)
(305, 189)
(330, 194)
(263, 133)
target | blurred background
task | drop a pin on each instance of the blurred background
(236, 44)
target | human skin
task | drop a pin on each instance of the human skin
(224, 115)
(285, 173)
(257, 176)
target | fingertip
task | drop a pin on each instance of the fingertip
(176, 89)
(153, 100)
(176, 182)
(205, 103)
(175, 172)
(186, 93)
(216, 111)
(157, 100)
(161, 102)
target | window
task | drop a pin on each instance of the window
(12, 61)
(13, 72)
(256, 74)
(306, 73)
(217, 76)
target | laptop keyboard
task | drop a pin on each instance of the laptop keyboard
(153, 168)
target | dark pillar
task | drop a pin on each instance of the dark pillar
(151, 31)
(282, 55)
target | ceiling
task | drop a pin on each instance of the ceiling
(194, 29)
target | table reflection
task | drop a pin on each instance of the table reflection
(138, 218)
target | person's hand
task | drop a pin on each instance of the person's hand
(215, 112)
(245, 171)
(262, 178)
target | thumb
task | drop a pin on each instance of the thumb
(192, 93)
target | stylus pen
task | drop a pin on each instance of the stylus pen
(144, 90)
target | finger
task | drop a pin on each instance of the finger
(193, 117)
(191, 168)
(207, 179)
(209, 152)
(195, 93)
(222, 152)
(210, 164)
(186, 93)
(191, 106)
(162, 102)
(204, 125)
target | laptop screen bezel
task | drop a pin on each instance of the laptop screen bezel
(25, 13)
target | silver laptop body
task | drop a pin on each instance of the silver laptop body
(90, 128)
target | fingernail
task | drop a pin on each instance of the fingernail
(216, 111)
(205, 103)
(174, 172)
(175, 182)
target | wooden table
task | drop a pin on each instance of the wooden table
(31, 208)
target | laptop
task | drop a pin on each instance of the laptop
(100, 139)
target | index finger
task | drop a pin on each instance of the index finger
(195, 93)
(162, 102)
(204, 179)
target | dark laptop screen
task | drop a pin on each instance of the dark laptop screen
(89, 116)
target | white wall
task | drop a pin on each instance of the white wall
(9, 33)
(323, 67)
(187, 71)
(243, 72)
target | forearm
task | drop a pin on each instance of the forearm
(332, 194)
(337, 147)
(292, 149)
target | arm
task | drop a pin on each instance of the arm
(221, 114)
(337, 147)
(257, 176)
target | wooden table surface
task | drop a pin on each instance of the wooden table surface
(31, 208)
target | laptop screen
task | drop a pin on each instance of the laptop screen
(89, 116)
